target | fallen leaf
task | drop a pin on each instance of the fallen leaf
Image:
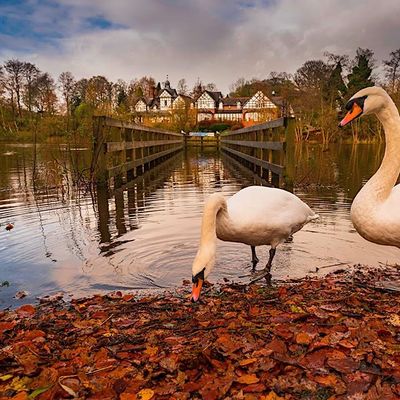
(248, 379)
(6, 326)
(36, 392)
(26, 310)
(304, 338)
(271, 396)
(296, 309)
(247, 361)
(145, 394)
(395, 319)
(6, 377)
(21, 294)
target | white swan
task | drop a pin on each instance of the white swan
(375, 211)
(255, 216)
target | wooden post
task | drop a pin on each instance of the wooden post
(290, 168)
(276, 157)
(98, 168)
(103, 213)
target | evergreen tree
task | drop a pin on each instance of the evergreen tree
(361, 73)
(335, 89)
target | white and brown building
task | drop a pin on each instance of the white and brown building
(212, 106)
(246, 110)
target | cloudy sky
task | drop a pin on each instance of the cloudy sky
(215, 40)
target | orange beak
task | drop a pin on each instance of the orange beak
(196, 290)
(351, 115)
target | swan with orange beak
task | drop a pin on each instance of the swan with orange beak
(355, 108)
(255, 216)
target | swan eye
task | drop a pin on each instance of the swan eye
(359, 101)
(198, 276)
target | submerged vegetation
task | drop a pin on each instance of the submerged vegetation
(34, 106)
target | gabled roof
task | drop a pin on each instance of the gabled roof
(215, 95)
(232, 101)
(278, 101)
(154, 102)
(145, 101)
(185, 97)
(172, 92)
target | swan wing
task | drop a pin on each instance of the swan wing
(265, 215)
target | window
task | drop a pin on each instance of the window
(165, 102)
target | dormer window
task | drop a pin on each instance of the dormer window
(238, 105)
(221, 105)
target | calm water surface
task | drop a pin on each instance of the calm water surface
(145, 237)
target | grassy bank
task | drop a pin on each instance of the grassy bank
(336, 337)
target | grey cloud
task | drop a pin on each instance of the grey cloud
(216, 41)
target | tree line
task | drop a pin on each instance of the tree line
(317, 92)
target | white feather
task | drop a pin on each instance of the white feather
(255, 216)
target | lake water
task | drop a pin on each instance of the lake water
(145, 237)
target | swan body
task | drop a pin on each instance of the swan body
(260, 215)
(375, 211)
(255, 216)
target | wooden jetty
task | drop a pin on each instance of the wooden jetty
(122, 150)
(266, 149)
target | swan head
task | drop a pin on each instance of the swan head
(201, 268)
(366, 101)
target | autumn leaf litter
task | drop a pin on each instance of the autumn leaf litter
(336, 337)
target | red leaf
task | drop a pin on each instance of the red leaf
(6, 326)
(26, 310)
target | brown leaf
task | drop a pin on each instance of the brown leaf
(248, 379)
(304, 338)
(271, 396)
(247, 361)
(344, 365)
(170, 363)
(254, 388)
(145, 394)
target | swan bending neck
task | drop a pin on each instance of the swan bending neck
(214, 204)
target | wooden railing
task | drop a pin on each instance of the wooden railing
(266, 149)
(122, 150)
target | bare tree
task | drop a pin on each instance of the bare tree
(392, 70)
(30, 74)
(212, 87)
(45, 94)
(147, 84)
(182, 87)
(67, 85)
(15, 73)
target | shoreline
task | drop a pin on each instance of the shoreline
(329, 337)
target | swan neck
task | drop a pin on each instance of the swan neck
(381, 184)
(209, 221)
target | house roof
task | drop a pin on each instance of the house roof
(185, 97)
(172, 92)
(214, 95)
(154, 102)
(232, 101)
(278, 100)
